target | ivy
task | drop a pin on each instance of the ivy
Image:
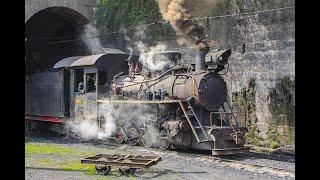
(244, 101)
(282, 108)
(112, 15)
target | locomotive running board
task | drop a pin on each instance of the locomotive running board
(137, 101)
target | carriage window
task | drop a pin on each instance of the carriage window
(78, 80)
(91, 82)
(102, 77)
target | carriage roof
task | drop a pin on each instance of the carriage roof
(97, 59)
(66, 62)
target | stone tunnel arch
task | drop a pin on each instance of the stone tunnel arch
(51, 35)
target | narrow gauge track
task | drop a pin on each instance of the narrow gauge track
(227, 160)
(255, 166)
(240, 164)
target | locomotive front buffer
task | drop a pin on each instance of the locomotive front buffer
(228, 142)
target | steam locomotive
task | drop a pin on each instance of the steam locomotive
(188, 101)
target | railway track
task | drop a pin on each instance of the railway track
(254, 166)
(261, 168)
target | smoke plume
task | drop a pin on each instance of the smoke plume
(179, 13)
(90, 36)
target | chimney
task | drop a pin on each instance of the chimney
(200, 59)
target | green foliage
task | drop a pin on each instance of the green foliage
(282, 109)
(45, 148)
(244, 101)
(67, 158)
(130, 17)
(112, 15)
(76, 166)
(60, 150)
(281, 127)
(31, 148)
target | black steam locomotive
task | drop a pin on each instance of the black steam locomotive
(188, 101)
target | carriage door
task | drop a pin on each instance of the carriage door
(86, 94)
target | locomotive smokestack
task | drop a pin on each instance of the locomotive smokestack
(200, 59)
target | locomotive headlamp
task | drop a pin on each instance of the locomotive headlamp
(217, 59)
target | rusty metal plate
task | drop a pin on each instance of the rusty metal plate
(132, 161)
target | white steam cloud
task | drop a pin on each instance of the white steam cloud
(149, 57)
(154, 61)
(90, 36)
(87, 127)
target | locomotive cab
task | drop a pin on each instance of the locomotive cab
(95, 72)
(88, 78)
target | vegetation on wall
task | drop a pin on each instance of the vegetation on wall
(280, 131)
(282, 107)
(244, 101)
(114, 14)
(127, 16)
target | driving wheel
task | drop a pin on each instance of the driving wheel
(145, 139)
(120, 135)
(133, 136)
(163, 144)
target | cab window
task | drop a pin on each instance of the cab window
(78, 80)
(91, 82)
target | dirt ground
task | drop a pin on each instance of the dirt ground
(59, 158)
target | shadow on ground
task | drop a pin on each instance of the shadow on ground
(164, 172)
(52, 169)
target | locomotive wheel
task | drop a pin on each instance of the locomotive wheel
(103, 170)
(119, 135)
(133, 136)
(163, 144)
(145, 139)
